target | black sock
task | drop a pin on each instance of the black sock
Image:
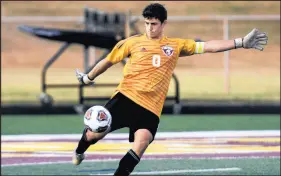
(127, 164)
(83, 144)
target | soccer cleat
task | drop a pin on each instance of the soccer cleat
(78, 158)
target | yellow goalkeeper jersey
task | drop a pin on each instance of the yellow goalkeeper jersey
(149, 69)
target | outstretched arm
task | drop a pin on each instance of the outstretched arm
(214, 46)
(255, 39)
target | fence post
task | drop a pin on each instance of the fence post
(226, 56)
(86, 19)
(127, 24)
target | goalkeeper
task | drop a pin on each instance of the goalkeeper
(138, 100)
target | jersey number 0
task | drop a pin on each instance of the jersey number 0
(156, 60)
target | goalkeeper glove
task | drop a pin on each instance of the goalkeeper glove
(255, 39)
(83, 78)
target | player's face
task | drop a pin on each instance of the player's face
(154, 28)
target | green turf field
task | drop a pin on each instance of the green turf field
(242, 154)
(72, 124)
(244, 166)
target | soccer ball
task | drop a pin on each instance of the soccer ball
(97, 118)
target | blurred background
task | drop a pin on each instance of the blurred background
(223, 106)
(247, 75)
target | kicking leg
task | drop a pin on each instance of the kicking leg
(117, 106)
(88, 138)
(142, 139)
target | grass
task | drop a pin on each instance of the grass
(73, 124)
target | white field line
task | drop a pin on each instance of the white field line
(212, 134)
(181, 171)
(31, 146)
(66, 154)
(56, 162)
(111, 160)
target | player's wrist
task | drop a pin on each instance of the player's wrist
(86, 79)
(238, 43)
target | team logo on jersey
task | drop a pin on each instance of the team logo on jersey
(102, 116)
(168, 50)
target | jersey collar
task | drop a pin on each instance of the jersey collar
(155, 40)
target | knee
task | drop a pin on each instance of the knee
(143, 137)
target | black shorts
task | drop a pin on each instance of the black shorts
(126, 113)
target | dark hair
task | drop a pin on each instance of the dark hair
(155, 10)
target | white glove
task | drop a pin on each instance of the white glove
(255, 39)
(83, 78)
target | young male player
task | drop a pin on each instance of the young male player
(138, 100)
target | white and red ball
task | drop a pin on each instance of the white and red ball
(98, 119)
